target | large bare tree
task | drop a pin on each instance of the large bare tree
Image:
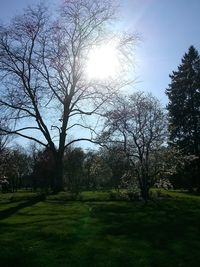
(45, 91)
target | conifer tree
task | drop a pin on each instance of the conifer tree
(184, 104)
(184, 114)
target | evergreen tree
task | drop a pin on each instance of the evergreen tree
(184, 113)
(184, 104)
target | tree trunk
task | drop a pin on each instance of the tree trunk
(145, 189)
(145, 194)
(57, 183)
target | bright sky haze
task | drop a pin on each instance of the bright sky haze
(167, 29)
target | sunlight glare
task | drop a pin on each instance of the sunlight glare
(103, 62)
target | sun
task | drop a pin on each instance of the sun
(103, 62)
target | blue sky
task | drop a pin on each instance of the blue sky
(167, 29)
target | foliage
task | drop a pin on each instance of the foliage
(163, 183)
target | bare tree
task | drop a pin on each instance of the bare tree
(44, 89)
(138, 122)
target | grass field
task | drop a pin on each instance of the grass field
(98, 232)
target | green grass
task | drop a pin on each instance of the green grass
(93, 232)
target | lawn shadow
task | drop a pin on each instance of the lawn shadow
(10, 211)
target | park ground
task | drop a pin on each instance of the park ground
(97, 231)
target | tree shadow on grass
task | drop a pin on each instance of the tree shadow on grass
(10, 211)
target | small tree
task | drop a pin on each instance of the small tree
(138, 123)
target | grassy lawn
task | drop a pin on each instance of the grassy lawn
(57, 232)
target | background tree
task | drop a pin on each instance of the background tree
(73, 169)
(138, 122)
(101, 173)
(44, 88)
(15, 164)
(43, 168)
(96, 171)
(116, 159)
(87, 165)
(184, 110)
